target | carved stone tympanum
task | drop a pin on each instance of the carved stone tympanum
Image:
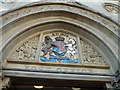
(58, 47)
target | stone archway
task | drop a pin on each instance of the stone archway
(28, 23)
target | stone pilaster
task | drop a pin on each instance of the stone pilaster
(5, 83)
(116, 81)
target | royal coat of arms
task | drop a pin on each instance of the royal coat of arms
(59, 51)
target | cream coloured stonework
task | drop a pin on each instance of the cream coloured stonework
(23, 32)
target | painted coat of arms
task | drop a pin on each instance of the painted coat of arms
(59, 50)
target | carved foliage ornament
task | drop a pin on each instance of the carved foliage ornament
(90, 55)
(113, 8)
(59, 47)
(27, 50)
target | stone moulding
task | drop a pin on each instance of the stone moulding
(39, 7)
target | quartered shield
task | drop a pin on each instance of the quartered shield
(59, 48)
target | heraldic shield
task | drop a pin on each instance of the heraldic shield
(57, 50)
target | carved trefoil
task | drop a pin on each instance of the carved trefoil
(27, 50)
